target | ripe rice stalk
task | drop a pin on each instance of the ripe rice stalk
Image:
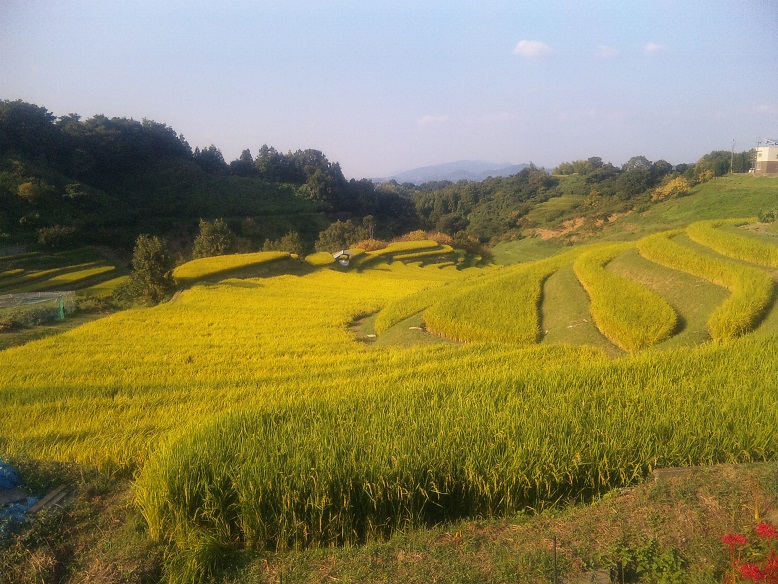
(732, 245)
(751, 288)
(628, 314)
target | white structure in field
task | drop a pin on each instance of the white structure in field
(767, 158)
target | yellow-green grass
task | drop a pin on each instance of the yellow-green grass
(751, 288)
(564, 313)
(555, 208)
(220, 267)
(692, 298)
(722, 198)
(278, 338)
(629, 314)
(527, 249)
(503, 308)
(749, 249)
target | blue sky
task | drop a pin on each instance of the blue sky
(383, 86)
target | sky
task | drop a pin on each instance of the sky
(383, 86)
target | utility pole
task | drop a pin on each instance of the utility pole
(732, 160)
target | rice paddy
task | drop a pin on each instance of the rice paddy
(252, 417)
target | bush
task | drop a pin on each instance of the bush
(56, 236)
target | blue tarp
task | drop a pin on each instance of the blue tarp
(9, 478)
(15, 513)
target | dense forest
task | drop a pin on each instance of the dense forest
(67, 181)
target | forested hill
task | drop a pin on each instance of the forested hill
(67, 181)
(105, 180)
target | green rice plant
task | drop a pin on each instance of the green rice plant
(504, 307)
(220, 267)
(628, 314)
(726, 243)
(751, 288)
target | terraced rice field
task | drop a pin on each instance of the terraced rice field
(254, 418)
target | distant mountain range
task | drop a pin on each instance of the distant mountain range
(471, 170)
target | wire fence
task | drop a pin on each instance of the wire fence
(36, 307)
(12, 250)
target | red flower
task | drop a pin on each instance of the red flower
(751, 572)
(733, 540)
(767, 530)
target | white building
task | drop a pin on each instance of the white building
(767, 158)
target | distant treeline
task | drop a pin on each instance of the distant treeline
(104, 180)
(64, 180)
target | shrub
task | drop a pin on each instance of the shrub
(56, 236)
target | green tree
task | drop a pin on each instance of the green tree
(215, 238)
(340, 235)
(290, 242)
(151, 280)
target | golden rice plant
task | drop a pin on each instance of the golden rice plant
(67, 280)
(502, 307)
(223, 266)
(628, 314)
(388, 252)
(327, 472)
(730, 244)
(751, 288)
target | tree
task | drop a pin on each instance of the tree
(290, 242)
(210, 160)
(215, 238)
(243, 166)
(340, 235)
(151, 279)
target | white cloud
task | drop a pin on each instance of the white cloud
(606, 52)
(533, 49)
(652, 48)
(766, 108)
(433, 120)
(498, 118)
(592, 115)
